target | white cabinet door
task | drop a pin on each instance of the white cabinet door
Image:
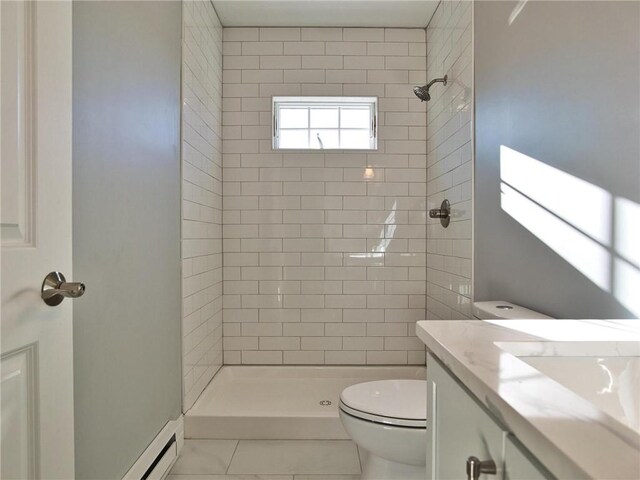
(36, 364)
(458, 428)
(520, 465)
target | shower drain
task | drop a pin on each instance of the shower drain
(325, 403)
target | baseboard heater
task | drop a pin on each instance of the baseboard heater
(160, 466)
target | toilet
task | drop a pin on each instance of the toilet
(387, 419)
(499, 310)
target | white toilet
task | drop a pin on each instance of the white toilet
(499, 310)
(388, 418)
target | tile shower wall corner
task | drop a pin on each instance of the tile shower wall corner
(450, 160)
(320, 265)
(201, 197)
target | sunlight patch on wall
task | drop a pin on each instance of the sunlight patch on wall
(587, 256)
(584, 205)
(627, 232)
(517, 10)
(581, 222)
(627, 247)
(627, 285)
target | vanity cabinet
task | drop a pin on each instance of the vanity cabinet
(519, 464)
(459, 427)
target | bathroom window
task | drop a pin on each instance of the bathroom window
(325, 123)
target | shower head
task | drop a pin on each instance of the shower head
(423, 92)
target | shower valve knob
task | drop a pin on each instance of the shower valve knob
(438, 213)
(443, 213)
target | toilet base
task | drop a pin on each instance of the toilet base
(377, 468)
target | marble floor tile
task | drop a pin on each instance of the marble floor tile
(295, 457)
(238, 477)
(326, 477)
(205, 457)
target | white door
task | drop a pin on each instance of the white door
(36, 339)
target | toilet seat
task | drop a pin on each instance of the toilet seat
(401, 403)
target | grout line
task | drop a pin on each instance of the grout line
(232, 456)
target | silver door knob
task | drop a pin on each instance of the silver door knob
(475, 468)
(55, 289)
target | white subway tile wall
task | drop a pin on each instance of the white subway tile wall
(201, 197)
(449, 161)
(323, 265)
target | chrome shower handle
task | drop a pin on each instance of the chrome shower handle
(55, 289)
(438, 213)
(443, 213)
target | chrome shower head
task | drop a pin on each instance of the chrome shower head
(423, 92)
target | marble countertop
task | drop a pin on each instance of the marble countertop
(567, 389)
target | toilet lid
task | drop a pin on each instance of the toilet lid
(398, 402)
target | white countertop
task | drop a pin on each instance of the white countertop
(567, 389)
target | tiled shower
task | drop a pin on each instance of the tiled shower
(312, 258)
(324, 253)
(450, 162)
(201, 197)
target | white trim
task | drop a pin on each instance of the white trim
(155, 447)
(325, 100)
(309, 103)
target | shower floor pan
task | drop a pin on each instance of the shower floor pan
(244, 402)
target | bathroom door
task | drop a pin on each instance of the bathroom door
(36, 363)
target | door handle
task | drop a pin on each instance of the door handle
(55, 289)
(475, 468)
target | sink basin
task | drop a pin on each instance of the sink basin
(607, 374)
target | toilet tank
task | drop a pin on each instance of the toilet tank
(496, 309)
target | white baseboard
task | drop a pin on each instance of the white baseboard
(140, 467)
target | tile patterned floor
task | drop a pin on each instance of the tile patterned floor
(267, 460)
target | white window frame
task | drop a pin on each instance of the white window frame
(371, 102)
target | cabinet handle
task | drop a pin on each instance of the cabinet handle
(475, 468)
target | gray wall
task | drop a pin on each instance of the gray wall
(126, 232)
(561, 85)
